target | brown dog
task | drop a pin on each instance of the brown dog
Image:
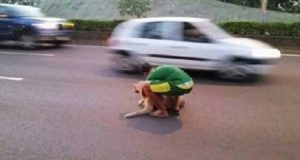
(170, 102)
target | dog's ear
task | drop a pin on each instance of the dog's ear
(135, 88)
(134, 85)
(138, 86)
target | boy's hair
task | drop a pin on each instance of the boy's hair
(146, 67)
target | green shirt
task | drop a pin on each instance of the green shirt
(170, 80)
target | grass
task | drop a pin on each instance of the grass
(213, 9)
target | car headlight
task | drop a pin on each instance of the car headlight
(46, 25)
(266, 53)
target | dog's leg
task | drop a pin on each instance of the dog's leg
(141, 103)
(148, 108)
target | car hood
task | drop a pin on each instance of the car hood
(245, 42)
(258, 49)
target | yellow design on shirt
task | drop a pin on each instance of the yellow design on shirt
(160, 88)
(186, 85)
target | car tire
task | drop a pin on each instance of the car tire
(125, 64)
(236, 71)
(58, 44)
(28, 41)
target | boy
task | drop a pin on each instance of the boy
(165, 80)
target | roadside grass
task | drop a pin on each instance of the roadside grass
(212, 9)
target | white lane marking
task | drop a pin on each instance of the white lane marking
(86, 46)
(11, 78)
(30, 54)
(291, 55)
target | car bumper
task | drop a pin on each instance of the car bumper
(261, 69)
(59, 38)
(263, 66)
(54, 36)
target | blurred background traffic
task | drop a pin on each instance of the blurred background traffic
(238, 17)
(212, 24)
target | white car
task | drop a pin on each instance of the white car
(189, 43)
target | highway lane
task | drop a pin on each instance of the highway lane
(68, 104)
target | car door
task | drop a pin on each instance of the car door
(7, 25)
(149, 42)
(4, 24)
(192, 49)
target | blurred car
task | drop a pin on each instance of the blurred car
(28, 27)
(190, 43)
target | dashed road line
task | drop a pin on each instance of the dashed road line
(29, 54)
(11, 78)
(86, 46)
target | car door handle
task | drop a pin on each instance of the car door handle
(179, 47)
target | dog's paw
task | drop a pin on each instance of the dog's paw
(141, 103)
(129, 115)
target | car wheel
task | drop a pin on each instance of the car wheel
(58, 44)
(235, 71)
(126, 64)
(28, 42)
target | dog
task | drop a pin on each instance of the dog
(174, 103)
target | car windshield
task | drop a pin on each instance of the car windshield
(213, 30)
(27, 12)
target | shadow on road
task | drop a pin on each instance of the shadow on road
(153, 125)
(211, 78)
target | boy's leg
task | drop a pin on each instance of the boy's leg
(180, 102)
(171, 101)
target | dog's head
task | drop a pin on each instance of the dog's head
(137, 87)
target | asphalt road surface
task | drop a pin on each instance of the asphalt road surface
(68, 104)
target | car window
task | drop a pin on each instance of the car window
(3, 11)
(213, 30)
(172, 31)
(7, 11)
(193, 34)
(152, 30)
(25, 12)
(119, 30)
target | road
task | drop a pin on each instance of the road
(68, 104)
